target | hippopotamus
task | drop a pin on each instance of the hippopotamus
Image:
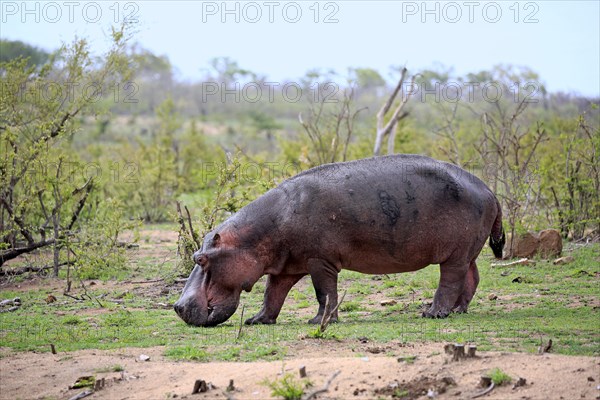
(379, 215)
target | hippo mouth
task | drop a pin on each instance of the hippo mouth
(212, 315)
(201, 304)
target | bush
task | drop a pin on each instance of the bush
(287, 387)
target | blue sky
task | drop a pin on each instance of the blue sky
(558, 39)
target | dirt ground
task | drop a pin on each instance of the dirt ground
(548, 376)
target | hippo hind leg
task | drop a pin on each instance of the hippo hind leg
(471, 282)
(278, 287)
(324, 277)
(452, 280)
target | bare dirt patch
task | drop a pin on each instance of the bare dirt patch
(39, 375)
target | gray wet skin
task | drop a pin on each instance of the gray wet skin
(379, 215)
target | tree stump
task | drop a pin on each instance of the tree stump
(459, 352)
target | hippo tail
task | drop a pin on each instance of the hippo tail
(497, 238)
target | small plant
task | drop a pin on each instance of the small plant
(287, 387)
(350, 306)
(188, 352)
(72, 320)
(111, 368)
(303, 304)
(499, 377)
(407, 359)
(317, 333)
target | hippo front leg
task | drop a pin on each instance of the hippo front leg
(324, 277)
(452, 280)
(278, 286)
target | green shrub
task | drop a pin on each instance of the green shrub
(499, 377)
(287, 387)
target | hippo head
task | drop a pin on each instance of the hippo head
(223, 269)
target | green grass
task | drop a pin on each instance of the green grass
(287, 387)
(111, 368)
(499, 377)
(187, 353)
(557, 302)
(348, 306)
(407, 359)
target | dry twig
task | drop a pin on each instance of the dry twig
(325, 388)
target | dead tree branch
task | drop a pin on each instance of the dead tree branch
(325, 387)
(392, 125)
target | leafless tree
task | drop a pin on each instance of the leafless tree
(390, 128)
(508, 150)
(448, 132)
(330, 132)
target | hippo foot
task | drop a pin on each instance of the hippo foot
(460, 309)
(433, 313)
(319, 318)
(260, 319)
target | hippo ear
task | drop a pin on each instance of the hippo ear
(216, 239)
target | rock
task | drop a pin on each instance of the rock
(563, 260)
(144, 357)
(449, 381)
(547, 243)
(493, 296)
(388, 302)
(524, 245)
(520, 382)
(550, 243)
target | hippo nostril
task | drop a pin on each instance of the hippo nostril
(178, 308)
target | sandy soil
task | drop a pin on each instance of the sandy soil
(548, 376)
